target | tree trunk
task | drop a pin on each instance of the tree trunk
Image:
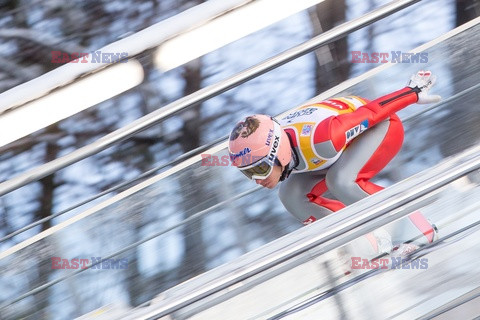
(45, 210)
(332, 65)
(455, 141)
(466, 10)
(194, 259)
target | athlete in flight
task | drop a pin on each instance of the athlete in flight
(338, 144)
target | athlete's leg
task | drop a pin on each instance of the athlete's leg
(349, 178)
(414, 228)
(301, 194)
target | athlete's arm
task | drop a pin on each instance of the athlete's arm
(333, 133)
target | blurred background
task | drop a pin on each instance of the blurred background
(30, 30)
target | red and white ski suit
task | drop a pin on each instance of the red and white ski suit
(341, 144)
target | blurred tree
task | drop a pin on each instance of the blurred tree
(333, 66)
(194, 256)
(466, 10)
(47, 197)
(462, 74)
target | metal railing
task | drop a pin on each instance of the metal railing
(202, 95)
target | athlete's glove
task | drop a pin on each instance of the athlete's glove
(423, 81)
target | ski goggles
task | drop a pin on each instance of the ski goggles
(262, 168)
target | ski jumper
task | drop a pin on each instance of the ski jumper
(340, 144)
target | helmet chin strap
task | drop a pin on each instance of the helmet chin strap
(293, 162)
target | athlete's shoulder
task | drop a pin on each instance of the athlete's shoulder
(298, 114)
(318, 111)
(345, 104)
